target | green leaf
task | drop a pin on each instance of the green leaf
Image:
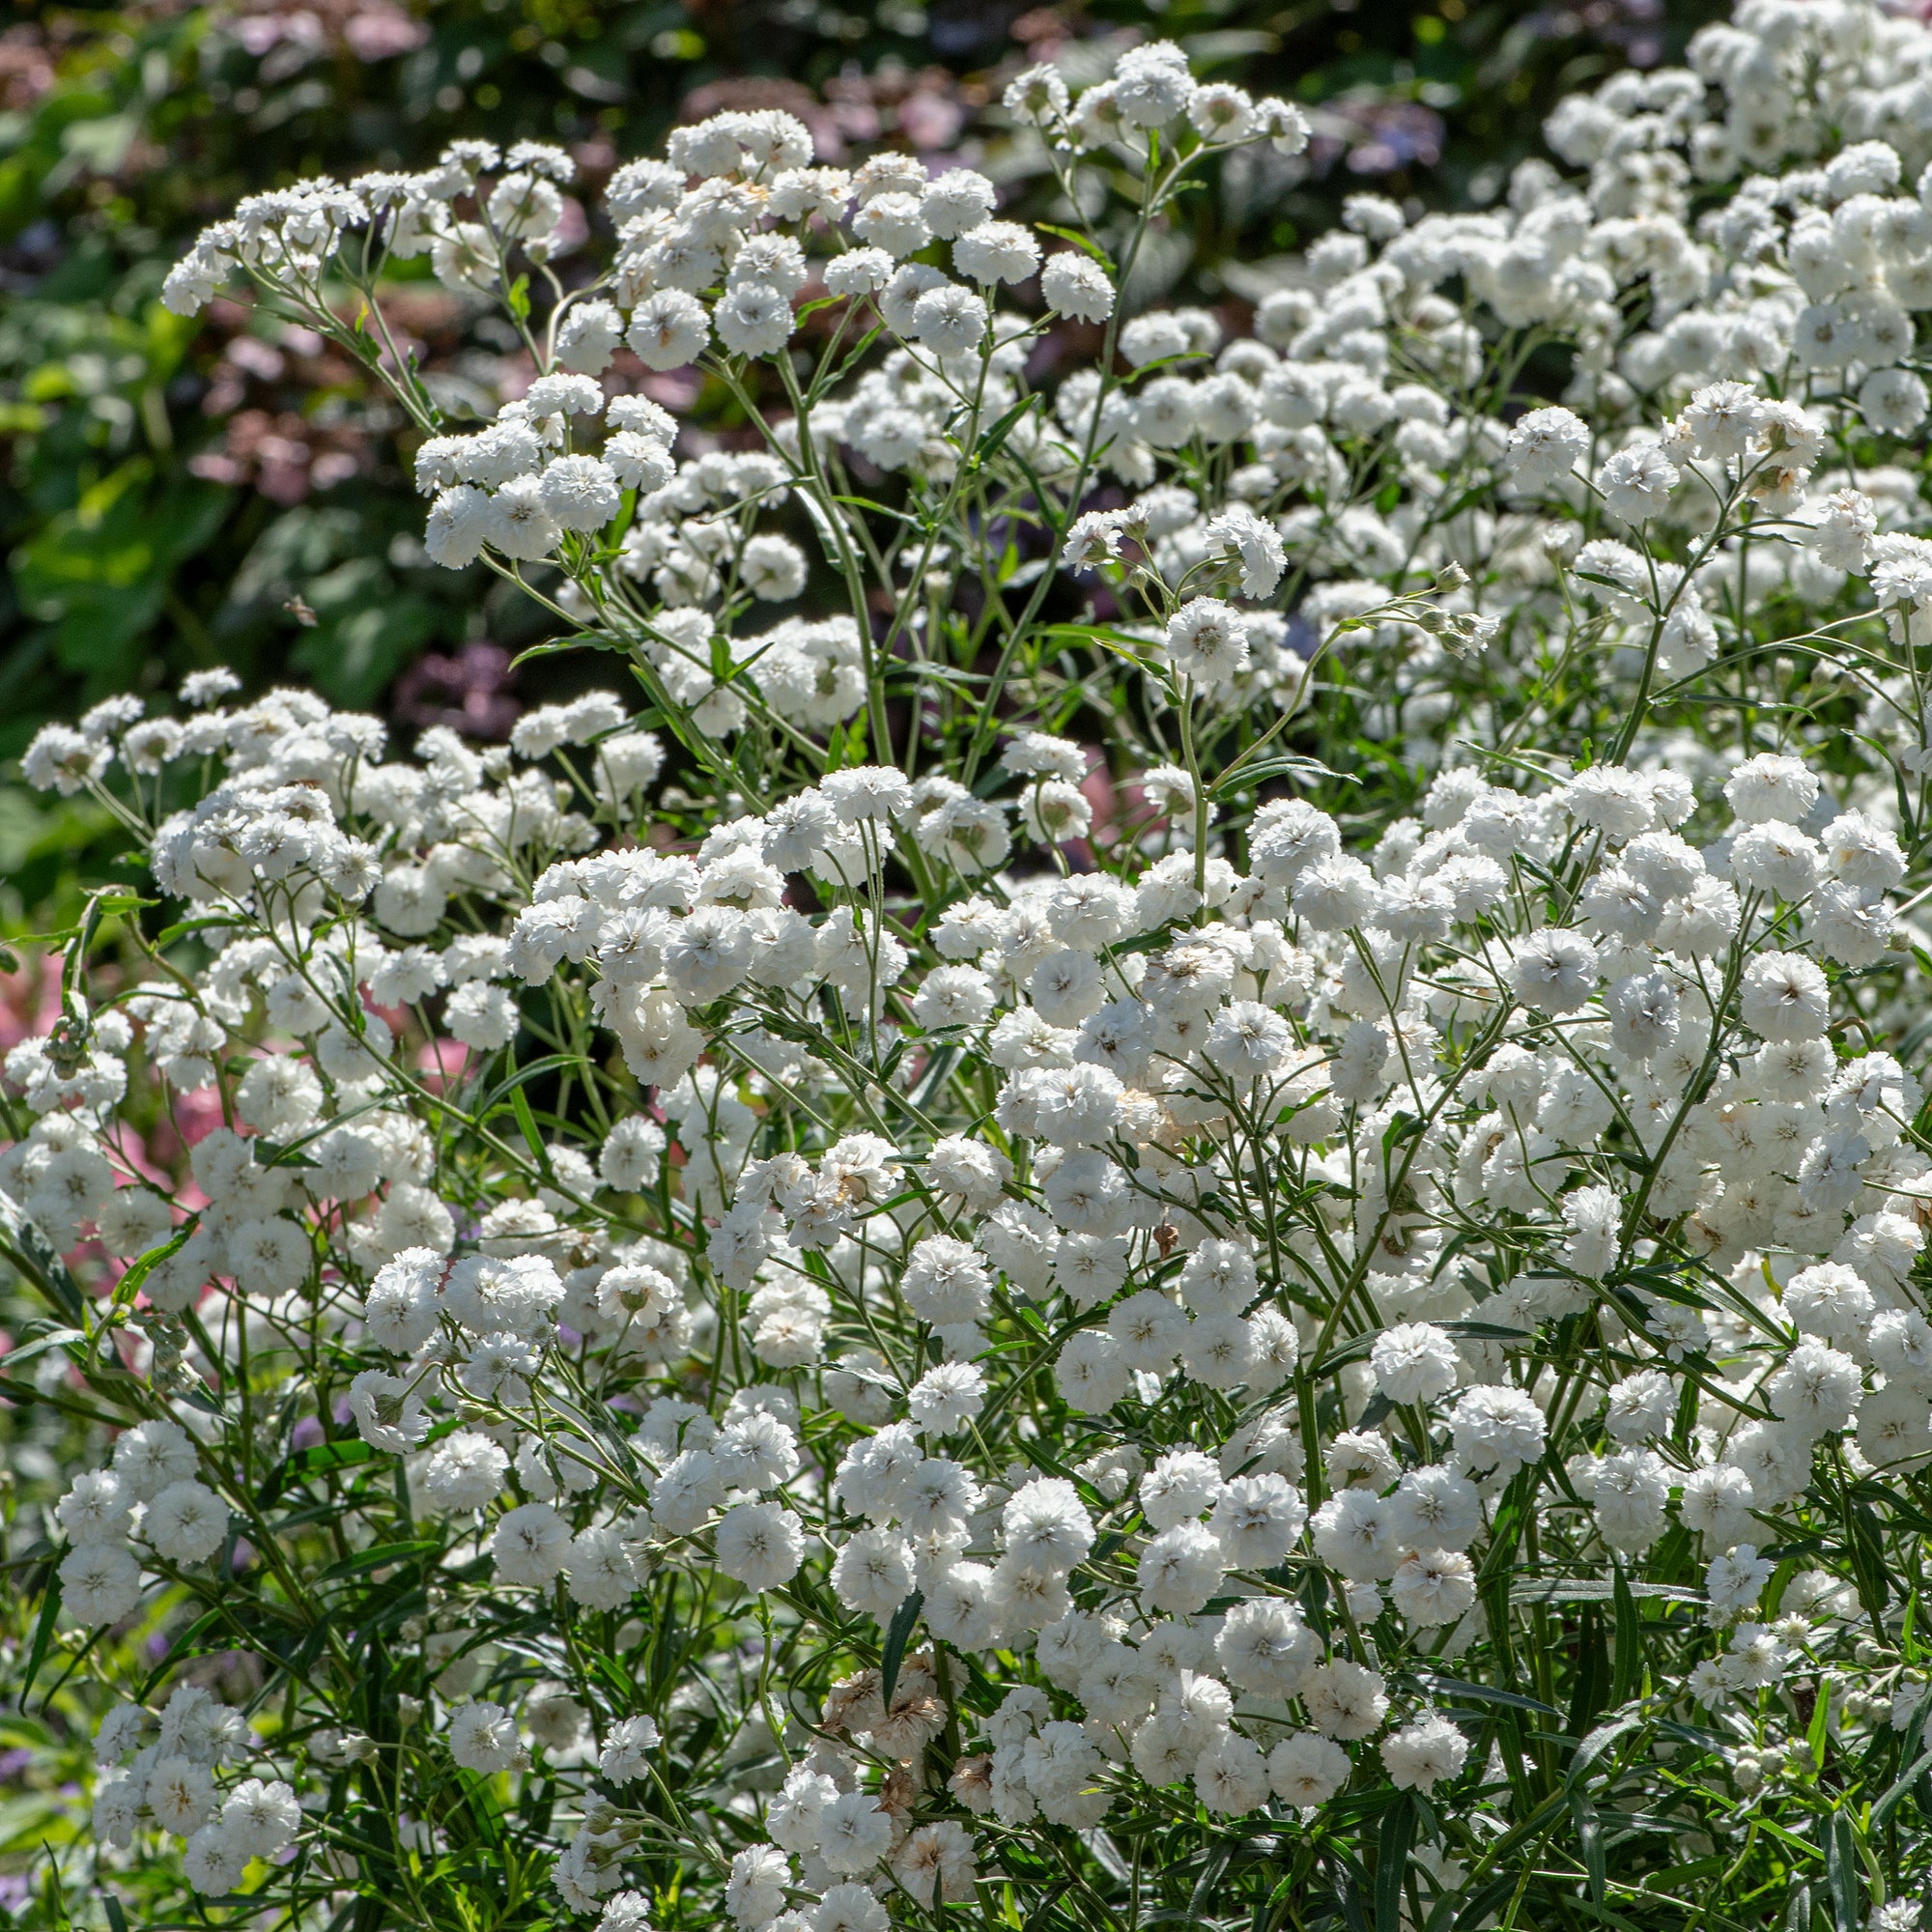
(1591, 1686)
(43, 1635)
(1485, 1694)
(549, 1062)
(897, 1635)
(1627, 1661)
(1392, 1862)
(1864, 1545)
(314, 1460)
(1480, 1908)
(180, 1646)
(1590, 1842)
(54, 1338)
(988, 445)
(557, 647)
(1842, 1871)
(1484, 1331)
(519, 1105)
(1896, 1793)
(1247, 777)
(375, 1560)
(1355, 1349)
(143, 1266)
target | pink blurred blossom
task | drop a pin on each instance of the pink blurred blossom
(442, 1064)
(381, 33)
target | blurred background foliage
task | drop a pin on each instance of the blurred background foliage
(175, 494)
(179, 494)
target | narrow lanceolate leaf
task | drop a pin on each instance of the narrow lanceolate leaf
(1397, 1831)
(899, 1633)
(1841, 1873)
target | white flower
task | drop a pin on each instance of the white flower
(872, 1573)
(1636, 482)
(957, 201)
(1264, 1647)
(213, 1859)
(1499, 1429)
(948, 320)
(1734, 1580)
(759, 1545)
(459, 526)
(1353, 1534)
(1544, 447)
(752, 319)
(579, 492)
(1421, 1755)
(1180, 1569)
(1785, 997)
(520, 524)
(859, 272)
(947, 1396)
(1074, 284)
(856, 1832)
(627, 1750)
(1893, 401)
(96, 1509)
(1433, 1586)
(1037, 98)
(260, 1817)
(1255, 543)
(995, 251)
(1151, 84)
(100, 1582)
(1306, 1770)
(1344, 1700)
(1816, 1391)
(1416, 1361)
(483, 1738)
(669, 330)
(1230, 1776)
(1554, 969)
(530, 1544)
(1258, 1520)
(186, 1523)
(1207, 641)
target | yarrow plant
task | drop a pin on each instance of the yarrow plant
(1199, 1191)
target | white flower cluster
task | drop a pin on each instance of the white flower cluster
(972, 1267)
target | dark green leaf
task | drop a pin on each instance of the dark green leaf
(1484, 1693)
(44, 1634)
(1392, 1862)
(1590, 1842)
(1626, 1663)
(1842, 1871)
(897, 1634)
(375, 1560)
